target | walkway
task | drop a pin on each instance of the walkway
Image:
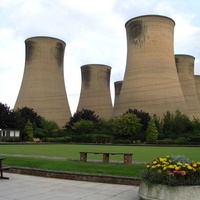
(23, 187)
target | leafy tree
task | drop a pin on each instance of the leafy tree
(7, 117)
(104, 126)
(49, 125)
(151, 132)
(83, 126)
(196, 125)
(22, 115)
(83, 114)
(176, 124)
(159, 125)
(126, 125)
(143, 116)
(28, 131)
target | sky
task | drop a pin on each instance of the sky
(94, 33)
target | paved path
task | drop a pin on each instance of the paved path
(23, 187)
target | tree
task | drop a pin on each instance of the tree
(176, 124)
(143, 116)
(126, 125)
(28, 131)
(83, 126)
(49, 125)
(151, 132)
(83, 114)
(22, 115)
(7, 117)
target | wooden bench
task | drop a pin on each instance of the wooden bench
(106, 155)
(3, 168)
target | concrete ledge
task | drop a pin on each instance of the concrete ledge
(149, 191)
(76, 176)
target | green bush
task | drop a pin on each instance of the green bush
(85, 138)
(121, 141)
(102, 138)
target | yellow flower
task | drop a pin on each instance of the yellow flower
(164, 168)
(194, 165)
(171, 166)
(177, 168)
(159, 171)
(189, 167)
(179, 163)
(154, 162)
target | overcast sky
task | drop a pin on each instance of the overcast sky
(94, 32)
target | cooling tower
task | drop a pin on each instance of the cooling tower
(185, 69)
(118, 86)
(43, 87)
(197, 84)
(150, 82)
(95, 90)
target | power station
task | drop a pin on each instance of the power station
(155, 80)
(150, 82)
(185, 69)
(117, 87)
(95, 90)
(43, 86)
(197, 84)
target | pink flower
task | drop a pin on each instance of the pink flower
(170, 173)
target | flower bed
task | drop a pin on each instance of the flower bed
(173, 171)
(170, 177)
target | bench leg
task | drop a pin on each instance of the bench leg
(128, 159)
(83, 157)
(2, 177)
(106, 158)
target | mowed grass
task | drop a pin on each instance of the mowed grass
(71, 151)
(76, 166)
(69, 156)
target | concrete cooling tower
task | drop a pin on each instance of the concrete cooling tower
(197, 84)
(185, 69)
(95, 90)
(150, 82)
(118, 86)
(43, 87)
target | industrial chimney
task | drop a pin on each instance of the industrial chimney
(95, 90)
(185, 69)
(43, 87)
(197, 84)
(150, 82)
(118, 86)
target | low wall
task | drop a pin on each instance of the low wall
(76, 176)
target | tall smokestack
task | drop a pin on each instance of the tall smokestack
(185, 69)
(95, 90)
(150, 82)
(43, 87)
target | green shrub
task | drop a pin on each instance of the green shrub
(121, 141)
(102, 138)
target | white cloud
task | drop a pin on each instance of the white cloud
(94, 32)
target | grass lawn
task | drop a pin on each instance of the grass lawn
(70, 155)
(71, 151)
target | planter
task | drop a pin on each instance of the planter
(149, 191)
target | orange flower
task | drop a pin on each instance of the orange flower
(183, 173)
